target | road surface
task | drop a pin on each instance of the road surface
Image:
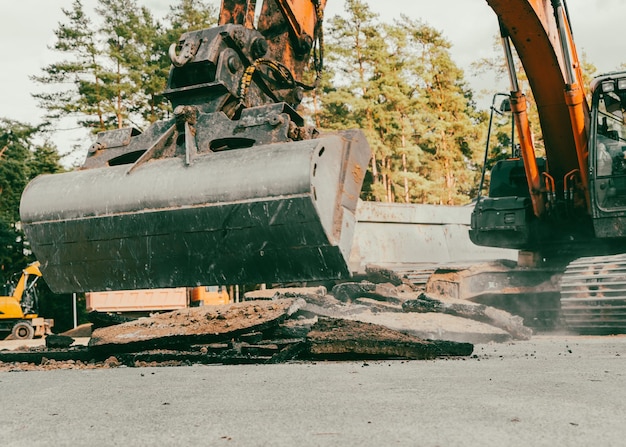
(551, 390)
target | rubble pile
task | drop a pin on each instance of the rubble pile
(355, 321)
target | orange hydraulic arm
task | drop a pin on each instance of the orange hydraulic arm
(540, 32)
(302, 16)
(292, 27)
(520, 117)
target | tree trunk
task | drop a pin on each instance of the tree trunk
(316, 108)
(404, 168)
(389, 184)
(374, 167)
(118, 112)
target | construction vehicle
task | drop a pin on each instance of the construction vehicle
(144, 302)
(18, 309)
(565, 211)
(208, 296)
(237, 189)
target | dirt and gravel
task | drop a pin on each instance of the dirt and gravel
(361, 320)
(543, 391)
(548, 391)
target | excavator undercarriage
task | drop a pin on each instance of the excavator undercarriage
(593, 295)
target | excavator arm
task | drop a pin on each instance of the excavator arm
(541, 34)
(22, 284)
(554, 215)
(22, 301)
(235, 188)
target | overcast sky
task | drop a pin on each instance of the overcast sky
(26, 31)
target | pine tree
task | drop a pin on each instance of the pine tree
(148, 67)
(396, 102)
(136, 74)
(20, 161)
(446, 125)
(115, 66)
(78, 79)
(190, 15)
(354, 47)
(398, 83)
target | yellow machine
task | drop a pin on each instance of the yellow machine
(209, 295)
(18, 310)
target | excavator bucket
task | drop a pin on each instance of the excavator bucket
(235, 188)
(276, 212)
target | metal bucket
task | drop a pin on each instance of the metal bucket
(273, 213)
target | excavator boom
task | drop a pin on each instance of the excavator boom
(540, 32)
(22, 284)
(552, 215)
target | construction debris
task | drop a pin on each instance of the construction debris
(378, 274)
(332, 339)
(513, 324)
(198, 325)
(58, 341)
(358, 320)
(437, 326)
(351, 291)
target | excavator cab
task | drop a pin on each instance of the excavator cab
(234, 188)
(608, 154)
(505, 218)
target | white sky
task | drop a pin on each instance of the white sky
(26, 31)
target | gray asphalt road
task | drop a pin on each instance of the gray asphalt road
(552, 391)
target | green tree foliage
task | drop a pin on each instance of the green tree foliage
(77, 78)
(190, 15)
(14, 144)
(20, 161)
(351, 57)
(448, 127)
(398, 83)
(135, 70)
(115, 65)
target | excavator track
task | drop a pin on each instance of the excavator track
(593, 295)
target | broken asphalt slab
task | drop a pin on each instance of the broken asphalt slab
(413, 313)
(436, 326)
(197, 325)
(498, 318)
(333, 338)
